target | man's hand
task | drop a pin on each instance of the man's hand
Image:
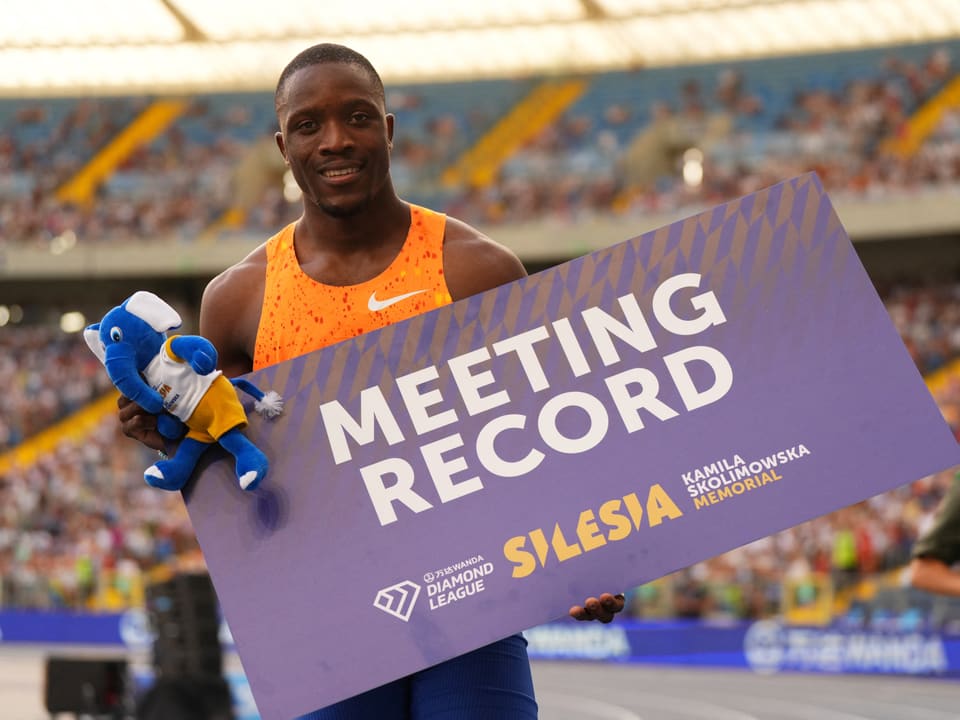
(138, 424)
(602, 609)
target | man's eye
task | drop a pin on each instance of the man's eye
(360, 117)
(306, 125)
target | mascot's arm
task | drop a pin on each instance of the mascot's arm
(197, 351)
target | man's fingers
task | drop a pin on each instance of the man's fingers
(612, 603)
(134, 418)
(587, 611)
(603, 609)
(138, 424)
(128, 409)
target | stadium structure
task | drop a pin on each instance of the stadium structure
(137, 152)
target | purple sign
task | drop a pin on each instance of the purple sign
(475, 471)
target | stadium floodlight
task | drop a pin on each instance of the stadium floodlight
(73, 321)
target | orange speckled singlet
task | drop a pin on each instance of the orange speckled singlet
(300, 315)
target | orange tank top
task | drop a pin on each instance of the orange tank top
(300, 315)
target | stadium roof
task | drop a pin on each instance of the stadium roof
(104, 46)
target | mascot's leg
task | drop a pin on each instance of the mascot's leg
(173, 473)
(170, 426)
(252, 464)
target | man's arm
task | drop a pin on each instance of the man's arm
(934, 576)
(939, 547)
(230, 313)
(473, 263)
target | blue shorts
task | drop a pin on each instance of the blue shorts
(492, 683)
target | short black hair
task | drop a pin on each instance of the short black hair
(327, 53)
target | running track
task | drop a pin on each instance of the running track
(593, 691)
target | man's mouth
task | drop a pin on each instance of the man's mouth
(333, 173)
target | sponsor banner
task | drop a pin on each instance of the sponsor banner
(130, 628)
(41, 627)
(770, 647)
(476, 470)
(765, 647)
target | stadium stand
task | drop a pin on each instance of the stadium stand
(78, 528)
(618, 143)
(217, 155)
(170, 178)
(46, 375)
(43, 143)
(621, 147)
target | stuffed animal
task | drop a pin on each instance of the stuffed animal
(176, 378)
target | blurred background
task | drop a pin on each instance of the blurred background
(137, 152)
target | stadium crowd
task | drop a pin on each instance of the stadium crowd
(45, 375)
(43, 144)
(81, 529)
(696, 142)
(707, 144)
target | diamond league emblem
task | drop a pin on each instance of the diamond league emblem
(398, 600)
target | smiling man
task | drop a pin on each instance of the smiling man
(358, 259)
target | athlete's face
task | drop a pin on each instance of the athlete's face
(335, 136)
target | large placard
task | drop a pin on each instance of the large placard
(475, 471)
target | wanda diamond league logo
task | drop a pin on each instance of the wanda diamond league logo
(398, 600)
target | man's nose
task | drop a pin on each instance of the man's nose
(334, 137)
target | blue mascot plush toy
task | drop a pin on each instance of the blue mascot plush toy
(176, 378)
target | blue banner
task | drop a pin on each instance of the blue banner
(35, 626)
(765, 646)
(130, 629)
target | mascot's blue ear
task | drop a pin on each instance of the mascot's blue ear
(153, 311)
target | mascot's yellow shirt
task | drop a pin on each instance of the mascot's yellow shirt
(300, 315)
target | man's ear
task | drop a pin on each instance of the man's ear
(389, 119)
(278, 136)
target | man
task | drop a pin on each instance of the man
(360, 258)
(938, 549)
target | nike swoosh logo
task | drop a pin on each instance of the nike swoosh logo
(374, 305)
